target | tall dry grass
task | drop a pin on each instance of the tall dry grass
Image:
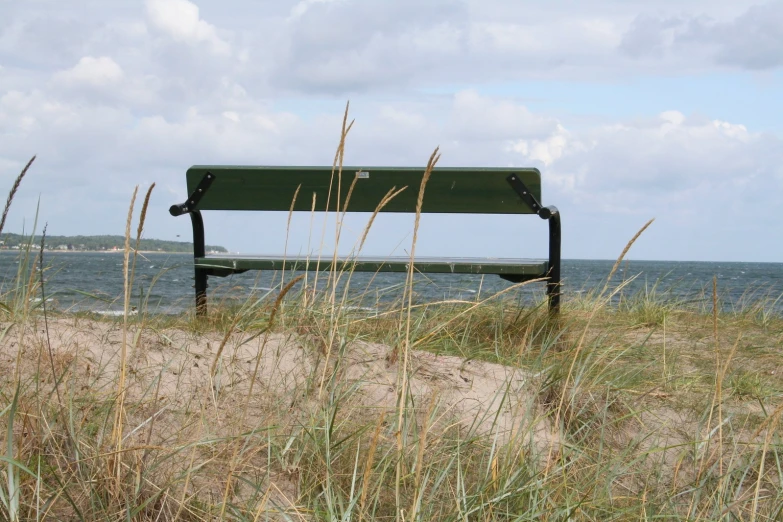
(274, 409)
(12, 192)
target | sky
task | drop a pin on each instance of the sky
(631, 109)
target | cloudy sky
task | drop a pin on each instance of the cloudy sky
(631, 109)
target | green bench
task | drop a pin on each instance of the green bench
(449, 190)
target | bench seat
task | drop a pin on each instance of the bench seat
(515, 269)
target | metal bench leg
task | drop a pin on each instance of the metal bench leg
(201, 293)
(553, 289)
(552, 215)
(198, 251)
(188, 207)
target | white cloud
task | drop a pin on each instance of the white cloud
(752, 40)
(359, 46)
(480, 117)
(101, 81)
(180, 19)
(345, 47)
(95, 72)
(547, 150)
(304, 5)
(515, 37)
(673, 165)
(231, 116)
(673, 117)
(402, 118)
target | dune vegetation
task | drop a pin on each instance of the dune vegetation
(301, 404)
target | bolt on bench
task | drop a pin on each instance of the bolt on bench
(449, 190)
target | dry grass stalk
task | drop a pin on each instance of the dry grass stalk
(223, 342)
(402, 373)
(26, 314)
(306, 295)
(338, 158)
(181, 503)
(719, 394)
(287, 232)
(335, 309)
(27, 301)
(337, 167)
(391, 194)
(624, 252)
(46, 319)
(384, 201)
(341, 219)
(716, 397)
(12, 193)
(771, 424)
(287, 288)
(416, 502)
(267, 330)
(336, 275)
(338, 218)
(434, 157)
(139, 230)
(120, 401)
(29, 293)
(369, 462)
(348, 197)
(580, 345)
(143, 216)
(719, 384)
(357, 250)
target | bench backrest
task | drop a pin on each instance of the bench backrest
(449, 190)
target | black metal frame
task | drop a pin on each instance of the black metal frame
(193, 199)
(199, 248)
(551, 214)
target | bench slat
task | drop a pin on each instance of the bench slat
(449, 190)
(530, 268)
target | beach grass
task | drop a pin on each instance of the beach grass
(309, 403)
(508, 415)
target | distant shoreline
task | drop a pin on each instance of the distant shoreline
(55, 251)
(99, 243)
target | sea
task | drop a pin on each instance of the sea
(163, 283)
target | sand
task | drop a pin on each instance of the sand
(173, 368)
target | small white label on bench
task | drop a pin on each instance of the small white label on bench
(362, 174)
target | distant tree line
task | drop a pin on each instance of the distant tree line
(98, 243)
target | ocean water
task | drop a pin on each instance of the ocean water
(93, 281)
